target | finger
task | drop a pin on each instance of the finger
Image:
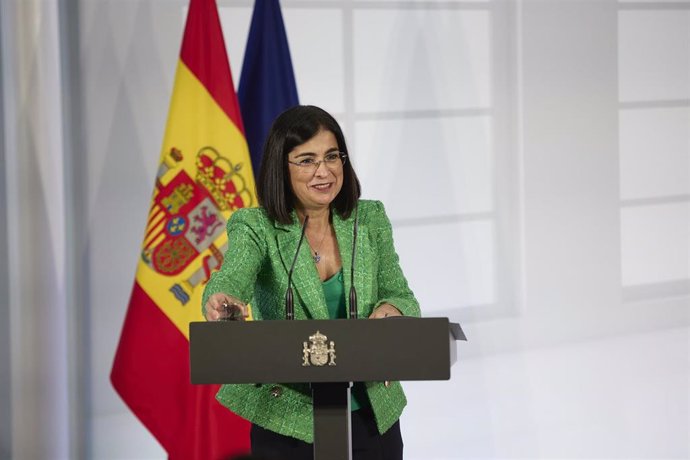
(218, 301)
(232, 301)
(222, 306)
(210, 312)
(392, 311)
(214, 307)
(376, 314)
(385, 310)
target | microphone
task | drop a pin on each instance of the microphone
(289, 305)
(353, 292)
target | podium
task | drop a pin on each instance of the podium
(328, 354)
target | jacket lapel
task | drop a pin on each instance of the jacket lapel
(306, 285)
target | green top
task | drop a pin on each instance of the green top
(255, 268)
(334, 291)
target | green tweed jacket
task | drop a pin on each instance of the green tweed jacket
(255, 269)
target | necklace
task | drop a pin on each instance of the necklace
(317, 256)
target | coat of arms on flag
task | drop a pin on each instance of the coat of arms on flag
(188, 215)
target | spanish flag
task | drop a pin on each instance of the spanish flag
(205, 174)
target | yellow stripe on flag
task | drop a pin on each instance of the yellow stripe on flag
(205, 159)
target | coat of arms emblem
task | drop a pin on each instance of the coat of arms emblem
(316, 352)
(188, 215)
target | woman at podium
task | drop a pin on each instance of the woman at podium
(307, 184)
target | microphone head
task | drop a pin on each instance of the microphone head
(353, 302)
(289, 304)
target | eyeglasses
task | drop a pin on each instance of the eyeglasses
(332, 160)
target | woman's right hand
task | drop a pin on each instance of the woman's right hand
(223, 307)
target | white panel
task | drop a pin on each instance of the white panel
(654, 55)
(654, 152)
(448, 265)
(655, 243)
(235, 22)
(627, 396)
(122, 436)
(421, 59)
(426, 167)
(315, 37)
(39, 361)
(316, 47)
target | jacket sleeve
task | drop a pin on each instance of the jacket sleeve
(242, 259)
(392, 285)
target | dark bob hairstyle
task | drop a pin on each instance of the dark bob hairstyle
(294, 127)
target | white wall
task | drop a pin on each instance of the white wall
(534, 157)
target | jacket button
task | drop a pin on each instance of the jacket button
(276, 391)
(386, 384)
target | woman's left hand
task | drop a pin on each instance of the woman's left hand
(384, 311)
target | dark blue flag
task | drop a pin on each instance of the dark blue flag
(267, 84)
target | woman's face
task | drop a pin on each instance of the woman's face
(315, 188)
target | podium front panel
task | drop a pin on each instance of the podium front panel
(396, 348)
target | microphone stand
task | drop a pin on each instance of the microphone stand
(289, 301)
(353, 292)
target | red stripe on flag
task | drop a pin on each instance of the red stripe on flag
(151, 374)
(203, 52)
